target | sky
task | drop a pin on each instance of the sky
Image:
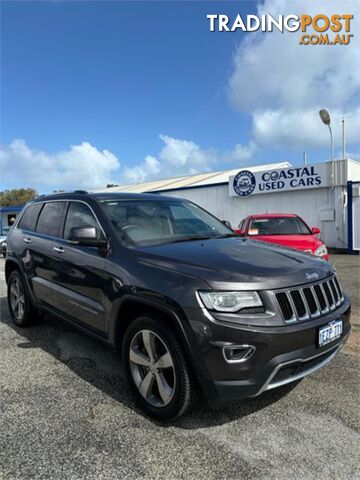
(124, 92)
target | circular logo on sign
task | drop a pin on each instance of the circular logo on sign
(244, 183)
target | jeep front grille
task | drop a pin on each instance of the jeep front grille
(310, 301)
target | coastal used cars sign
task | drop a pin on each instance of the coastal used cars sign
(246, 183)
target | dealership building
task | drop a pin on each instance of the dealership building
(8, 216)
(326, 195)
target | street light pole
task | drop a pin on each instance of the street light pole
(331, 144)
(325, 117)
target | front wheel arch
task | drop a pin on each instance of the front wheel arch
(131, 307)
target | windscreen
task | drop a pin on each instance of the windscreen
(278, 226)
(144, 222)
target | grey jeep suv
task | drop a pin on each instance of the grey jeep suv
(191, 307)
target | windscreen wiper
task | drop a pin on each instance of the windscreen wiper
(189, 239)
(226, 235)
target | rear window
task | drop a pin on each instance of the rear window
(29, 218)
(50, 218)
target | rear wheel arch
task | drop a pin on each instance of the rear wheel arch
(10, 266)
(14, 265)
(20, 305)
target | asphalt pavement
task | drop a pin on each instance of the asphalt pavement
(65, 413)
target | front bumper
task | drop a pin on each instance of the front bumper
(283, 354)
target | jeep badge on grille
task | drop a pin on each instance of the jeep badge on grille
(311, 276)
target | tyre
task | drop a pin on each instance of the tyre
(157, 370)
(21, 309)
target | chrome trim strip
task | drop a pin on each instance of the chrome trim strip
(78, 299)
(87, 309)
(327, 309)
(316, 299)
(332, 306)
(337, 291)
(60, 200)
(306, 316)
(249, 353)
(302, 374)
(269, 386)
(290, 300)
(317, 313)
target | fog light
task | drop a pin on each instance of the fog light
(238, 353)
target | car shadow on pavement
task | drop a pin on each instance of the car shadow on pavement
(98, 364)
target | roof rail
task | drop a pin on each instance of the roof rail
(80, 191)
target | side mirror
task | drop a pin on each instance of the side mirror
(239, 232)
(87, 237)
(227, 223)
(315, 230)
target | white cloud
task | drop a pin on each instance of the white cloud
(296, 128)
(84, 166)
(240, 152)
(151, 167)
(183, 157)
(283, 84)
(176, 157)
(81, 165)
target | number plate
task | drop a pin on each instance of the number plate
(329, 333)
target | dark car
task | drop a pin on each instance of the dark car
(191, 307)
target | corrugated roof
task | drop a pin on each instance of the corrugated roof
(199, 179)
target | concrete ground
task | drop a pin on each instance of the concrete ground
(65, 413)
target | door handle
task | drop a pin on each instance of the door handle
(27, 240)
(59, 249)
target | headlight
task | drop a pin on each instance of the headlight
(321, 251)
(230, 301)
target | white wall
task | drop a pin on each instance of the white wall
(353, 168)
(312, 205)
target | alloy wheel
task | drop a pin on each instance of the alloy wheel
(17, 299)
(152, 368)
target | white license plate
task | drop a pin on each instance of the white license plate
(329, 333)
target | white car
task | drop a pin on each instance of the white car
(3, 244)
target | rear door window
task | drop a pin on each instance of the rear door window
(29, 218)
(50, 219)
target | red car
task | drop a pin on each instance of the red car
(284, 229)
